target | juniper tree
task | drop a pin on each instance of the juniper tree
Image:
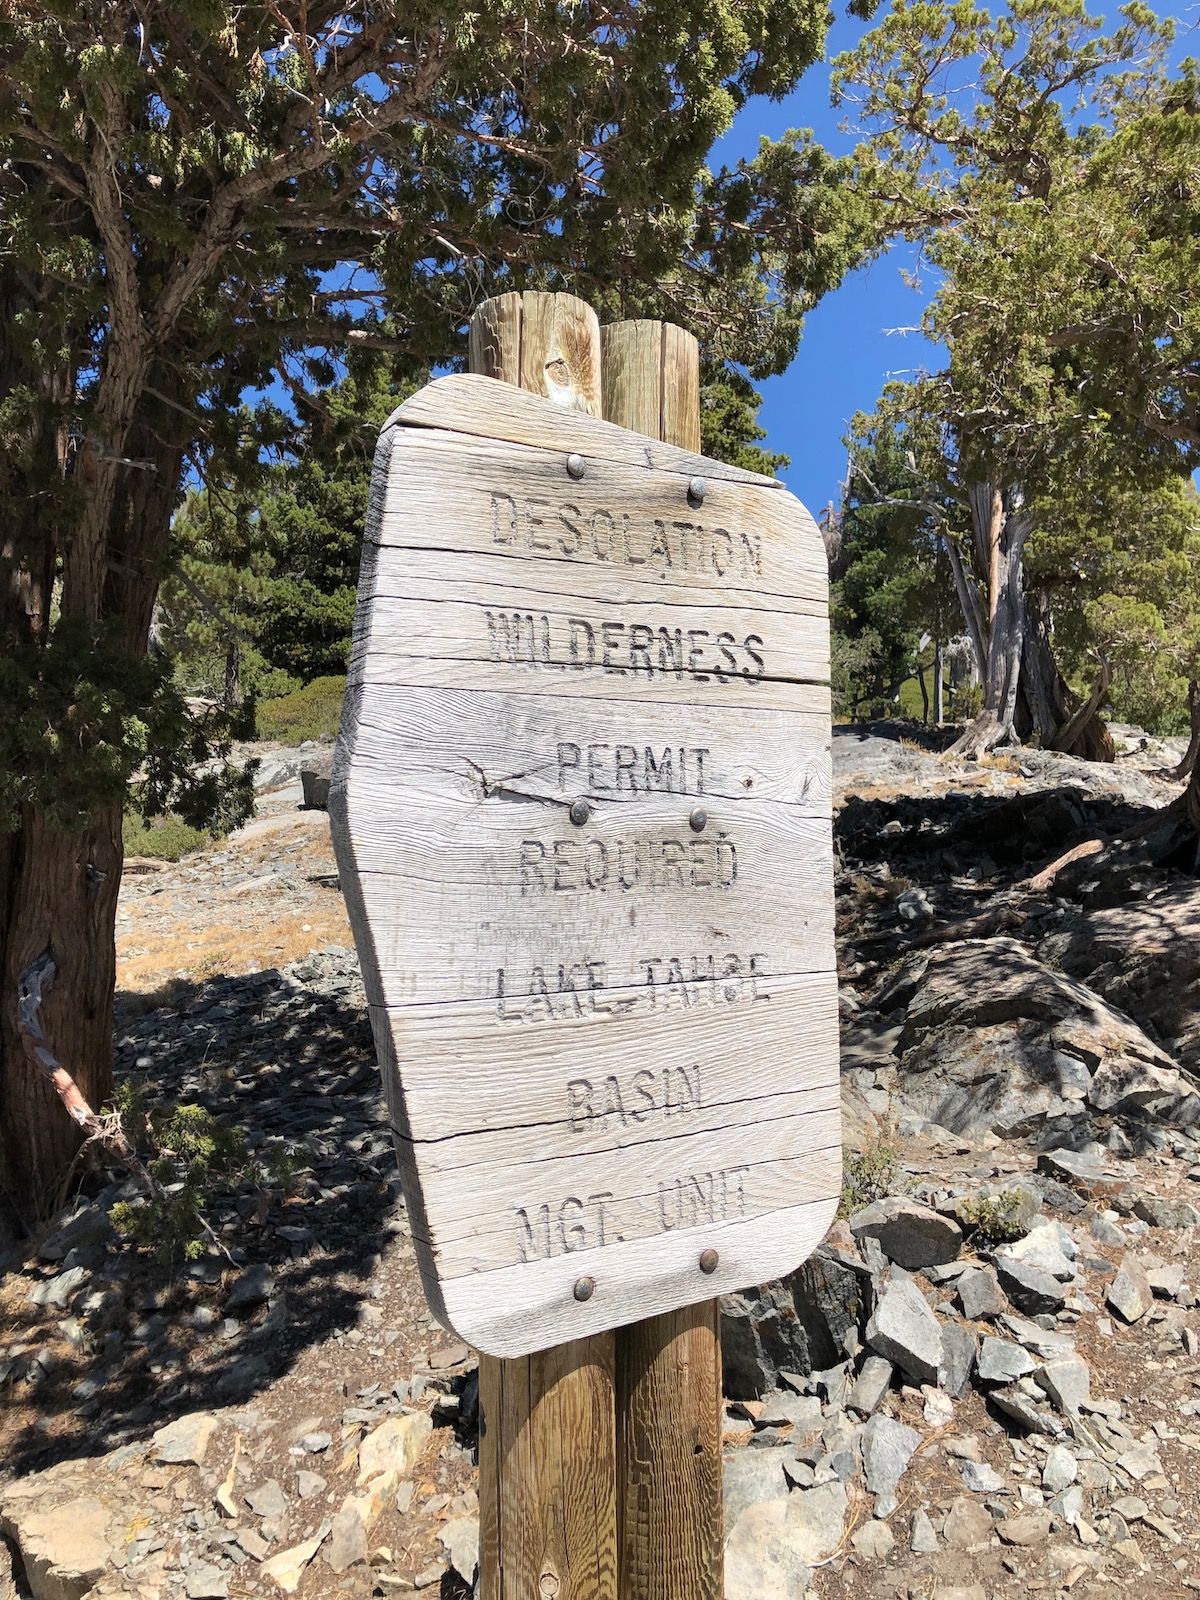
(195, 195)
(1049, 169)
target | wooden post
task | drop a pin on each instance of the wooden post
(547, 1430)
(668, 1368)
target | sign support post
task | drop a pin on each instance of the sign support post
(547, 1433)
(668, 1371)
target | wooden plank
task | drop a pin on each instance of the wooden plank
(509, 1308)
(669, 1450)
(781, 755)
(549, 1533)
(547, 1452)
(669, 1470)
(485, 497)
(465, 403)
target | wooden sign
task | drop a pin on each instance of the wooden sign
(581, 805)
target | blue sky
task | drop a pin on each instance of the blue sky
(847, 352)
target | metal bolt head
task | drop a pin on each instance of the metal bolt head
(698, 820)
(697, 489)
(579, 813)
(576, 466)
(708, 1260)
(585, 1288)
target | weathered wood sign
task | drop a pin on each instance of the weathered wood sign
(581, 805)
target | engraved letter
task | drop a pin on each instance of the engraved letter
(568, 760)
(577, 631)
(533, 853)
(579, 1104)
(504, 519)
(529, 1244)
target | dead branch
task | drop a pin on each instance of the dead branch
(1043, 879)
(105, 1131)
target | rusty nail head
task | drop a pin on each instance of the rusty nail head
(576, 466)
(580, 812)
(708, 1260)
(697, 489)
(585, 1288)
(698, 820)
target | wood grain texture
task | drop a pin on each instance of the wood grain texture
(669, 1454)
(669, 1469)
(548, 344)
(463, 403)
(585, 1023)
(547, 1480)
(547, 1511)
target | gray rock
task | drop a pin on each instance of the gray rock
(460, 1539)
(184, 1442)
(1130, 1294)
(206, 1582)
(763, 1555)
(922, 1540)
(887, 1448)
(804, 1323)
(993, 1041)
(874, 1540)
(968, 1525)
(87, 1225)
(909, 1233)
(1018, 1405)
(1043, 1247)
(309, 1484)
(316, 774)
(1163, 1213)
(56, 1292)
(752, 1476)
(980, 1296)
(1002, 1362)
(872, 1383)
(982, 1478)
(905, 1331)
(1059, 1470)
(250, 1288)
(958, 1359)
(1067, 1380)
(1028, 1287)
(1027, 1530)
(267, 1499)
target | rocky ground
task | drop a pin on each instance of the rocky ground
(987, 1382)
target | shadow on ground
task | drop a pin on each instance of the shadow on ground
(287, 1058)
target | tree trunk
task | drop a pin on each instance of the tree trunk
(58, 892)
(1024, 693)
(1187, 766)
(58, 888)
(939, 684)
(924, 693)
(233, 674)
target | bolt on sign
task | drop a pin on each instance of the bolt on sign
(582, 809)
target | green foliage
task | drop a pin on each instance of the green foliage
(82, 716)
(215, 198)
(308, 713)
(1047, 165)
(994, 1219)
(891, 579)
(166, 839)
(193, 1156)
(870, 1174)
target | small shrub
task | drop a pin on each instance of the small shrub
(164, 839)
(994, 1219)
(869, 1175)
(193, 1156)
(308, 713)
